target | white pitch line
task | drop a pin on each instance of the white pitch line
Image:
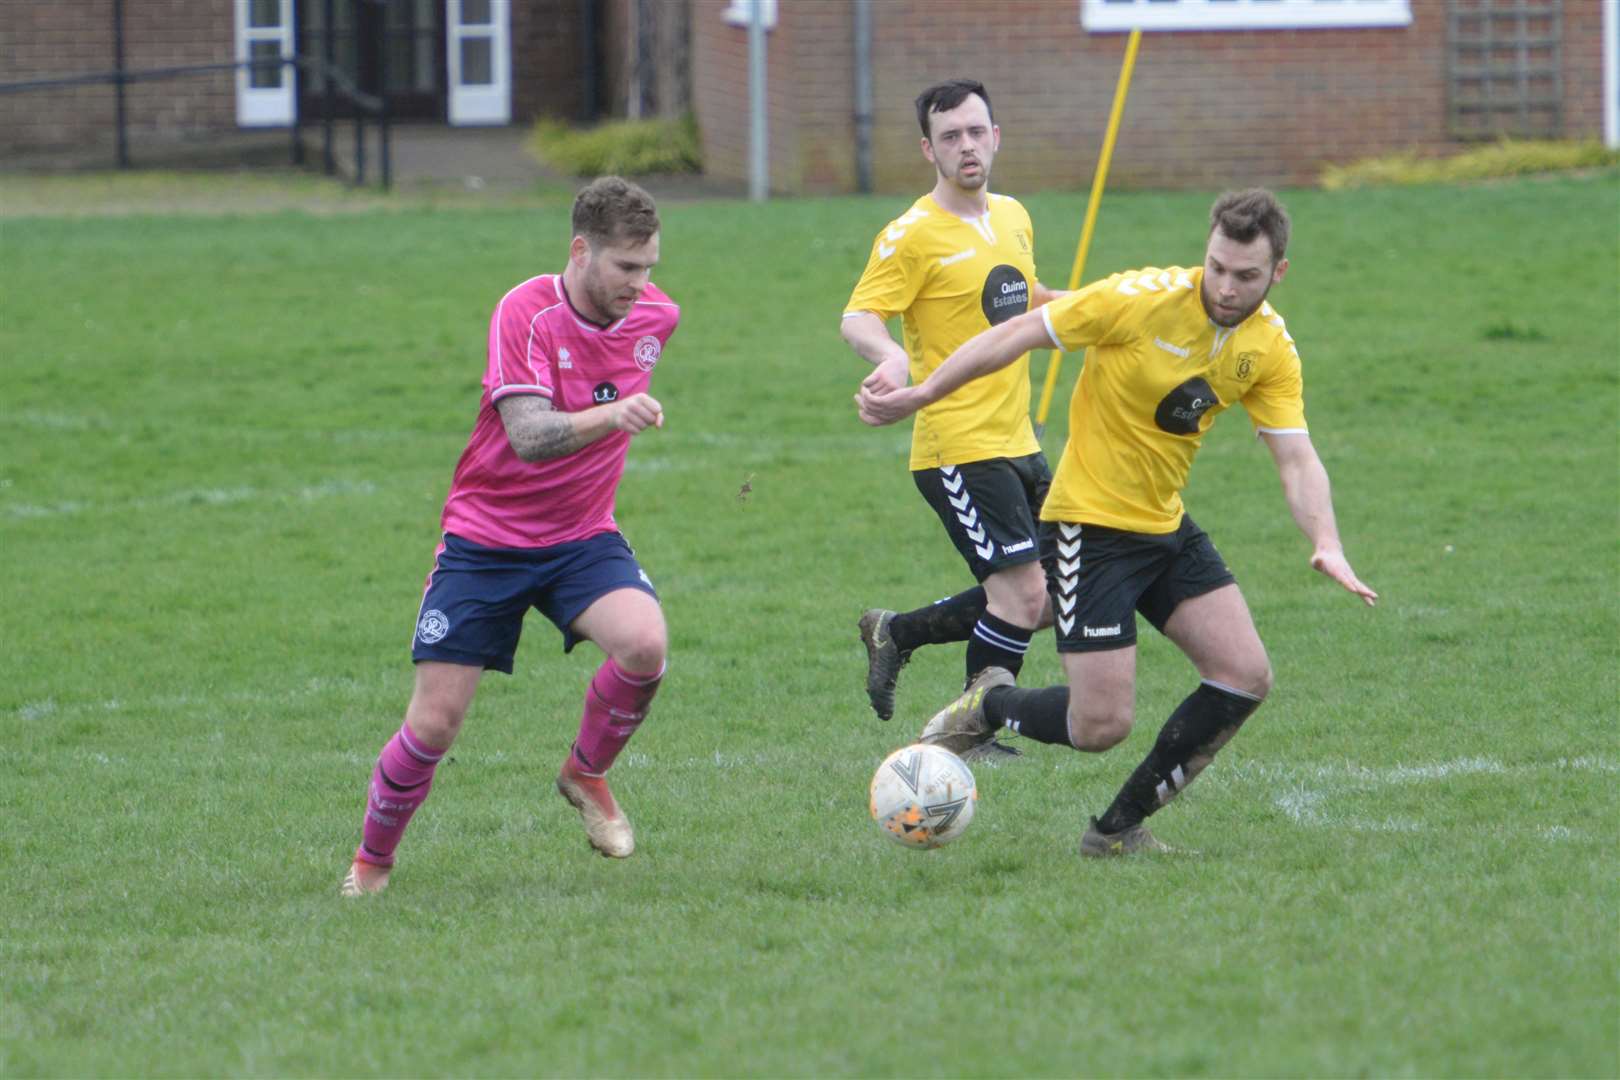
(1304, 808)
(386, 682)
(327, 489)
(54, 421)
(1309, 789)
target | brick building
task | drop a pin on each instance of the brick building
(444, 61)
(1267, 90)
(1206, 105)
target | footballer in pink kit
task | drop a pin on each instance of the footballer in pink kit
(529, 523)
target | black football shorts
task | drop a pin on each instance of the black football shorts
(1100, 577)
(989, 508)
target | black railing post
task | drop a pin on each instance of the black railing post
(386, 165)
(330, 53)
(359, 145)
(383, 166)
(588, 53)
(292, 68)
(118, 83)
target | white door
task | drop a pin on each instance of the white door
(264, 32)
(479, 43)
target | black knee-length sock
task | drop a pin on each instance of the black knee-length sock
(1040, 713)
(950, 619)
(1199, 727)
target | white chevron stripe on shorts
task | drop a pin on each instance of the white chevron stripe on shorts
(966, 512)
(1068, 575)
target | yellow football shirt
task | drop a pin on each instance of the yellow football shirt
(1157, 373)
(950, 278)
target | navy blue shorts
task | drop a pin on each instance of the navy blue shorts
(473, 607)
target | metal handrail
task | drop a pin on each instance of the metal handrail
(372, 103)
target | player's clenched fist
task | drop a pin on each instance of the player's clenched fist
(637, 412)
(892, 374)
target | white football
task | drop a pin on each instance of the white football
(923, 796)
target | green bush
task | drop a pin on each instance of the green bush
(1495, 161)
(625, 147)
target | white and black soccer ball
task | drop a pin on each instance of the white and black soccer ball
(923, 796)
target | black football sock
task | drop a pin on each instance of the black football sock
(1041, 714)
(950, 619)
(1199, 727)
(996, 642)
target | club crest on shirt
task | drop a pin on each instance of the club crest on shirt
(646, 352)
(1245, 364)
(604, 393)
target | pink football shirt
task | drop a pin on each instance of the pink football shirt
(538, 344)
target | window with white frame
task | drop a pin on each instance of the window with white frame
(741, 13)
(264, 93)
(1099, 16)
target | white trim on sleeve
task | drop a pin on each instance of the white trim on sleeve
(1046, 318)
(508, 389)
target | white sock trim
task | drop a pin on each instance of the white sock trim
(1000, 641)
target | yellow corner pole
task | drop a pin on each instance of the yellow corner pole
(1097, 183)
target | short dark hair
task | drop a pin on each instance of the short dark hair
(945, 96)
(611, 209)
(1244, 215)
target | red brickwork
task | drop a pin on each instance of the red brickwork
(1583, 69)
(720, 89)
(46, 40)
(1206, 108)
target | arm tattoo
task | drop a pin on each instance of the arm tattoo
(536, 429)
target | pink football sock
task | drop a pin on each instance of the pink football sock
(399, 784)
(615, 705)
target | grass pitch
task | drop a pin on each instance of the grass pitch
(224, 442)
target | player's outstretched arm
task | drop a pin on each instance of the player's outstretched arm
(1310, 499)
(538, 431)
(986, 353)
